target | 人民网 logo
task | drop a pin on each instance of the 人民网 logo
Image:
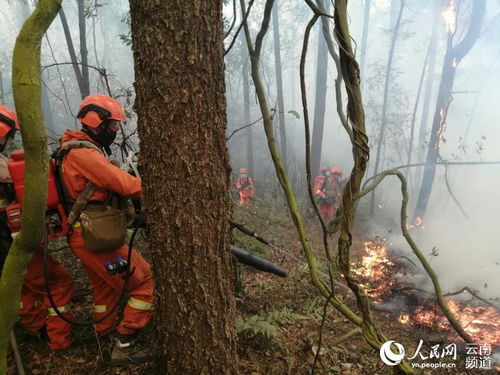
(388, 356)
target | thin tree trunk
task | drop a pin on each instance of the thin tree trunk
(83, 47)
(246, 105)
(364, 39)
(1, 89)
(320, 97)
(414, 113)
(47, 112)
(428, 87)
(388, 72)
(453, 56)
(181, 122)
(26, 87)
(279, 84)
(72, 54)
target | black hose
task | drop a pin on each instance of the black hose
(251, 233)
(122, 293)
(257, 262)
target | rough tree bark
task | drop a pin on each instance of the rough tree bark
(279, 84)
(383, 123)
(320, 97)
(453, 56)
(27, 96)
(179, 67)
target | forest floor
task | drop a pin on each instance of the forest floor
(279, 319)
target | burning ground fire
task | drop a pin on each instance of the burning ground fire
(382, 278)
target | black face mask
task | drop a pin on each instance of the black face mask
(104, 137)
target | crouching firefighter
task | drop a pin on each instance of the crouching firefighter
(98, 230)
(36, 313)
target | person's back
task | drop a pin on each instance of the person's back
(36, 312)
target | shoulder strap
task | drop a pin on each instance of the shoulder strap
(82, 200)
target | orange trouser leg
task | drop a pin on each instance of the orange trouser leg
(32, 314)
(107, 287)
(36, 308)
(245, 201)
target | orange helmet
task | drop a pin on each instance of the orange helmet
(97, 108)
(8, 121)
(243, 170)
(336, 171)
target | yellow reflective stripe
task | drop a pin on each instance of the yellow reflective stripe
(140, 305)
(77, 224)
(62, 309)
(99, 309)
(3, 203)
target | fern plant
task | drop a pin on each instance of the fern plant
(267, 325)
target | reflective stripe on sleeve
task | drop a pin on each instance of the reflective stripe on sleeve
(62, 309)
(99, 309)
(3, 203)
(140, 305)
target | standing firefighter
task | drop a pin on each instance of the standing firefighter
(327, 190)
(99, 234)
(245, 187)
(36, 313)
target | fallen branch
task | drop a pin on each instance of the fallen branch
(17, 355)
(404, 227)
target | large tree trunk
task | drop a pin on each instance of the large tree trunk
(246, 104)
(320, 97)
(184, 163)
(27, 96)
(388, 71)
(83, 47)
(279, 84)
(453, 56)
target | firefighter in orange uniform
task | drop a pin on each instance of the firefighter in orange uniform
(326, 190)
(245, 187)
(100, 116)
(36, 313)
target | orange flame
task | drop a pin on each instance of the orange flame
(481, 323)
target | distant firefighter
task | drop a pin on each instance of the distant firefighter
(245, 187)
(327, 188)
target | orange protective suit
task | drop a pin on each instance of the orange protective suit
(35, 308)
(326, 192)
(246, 189)
(79, 166)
